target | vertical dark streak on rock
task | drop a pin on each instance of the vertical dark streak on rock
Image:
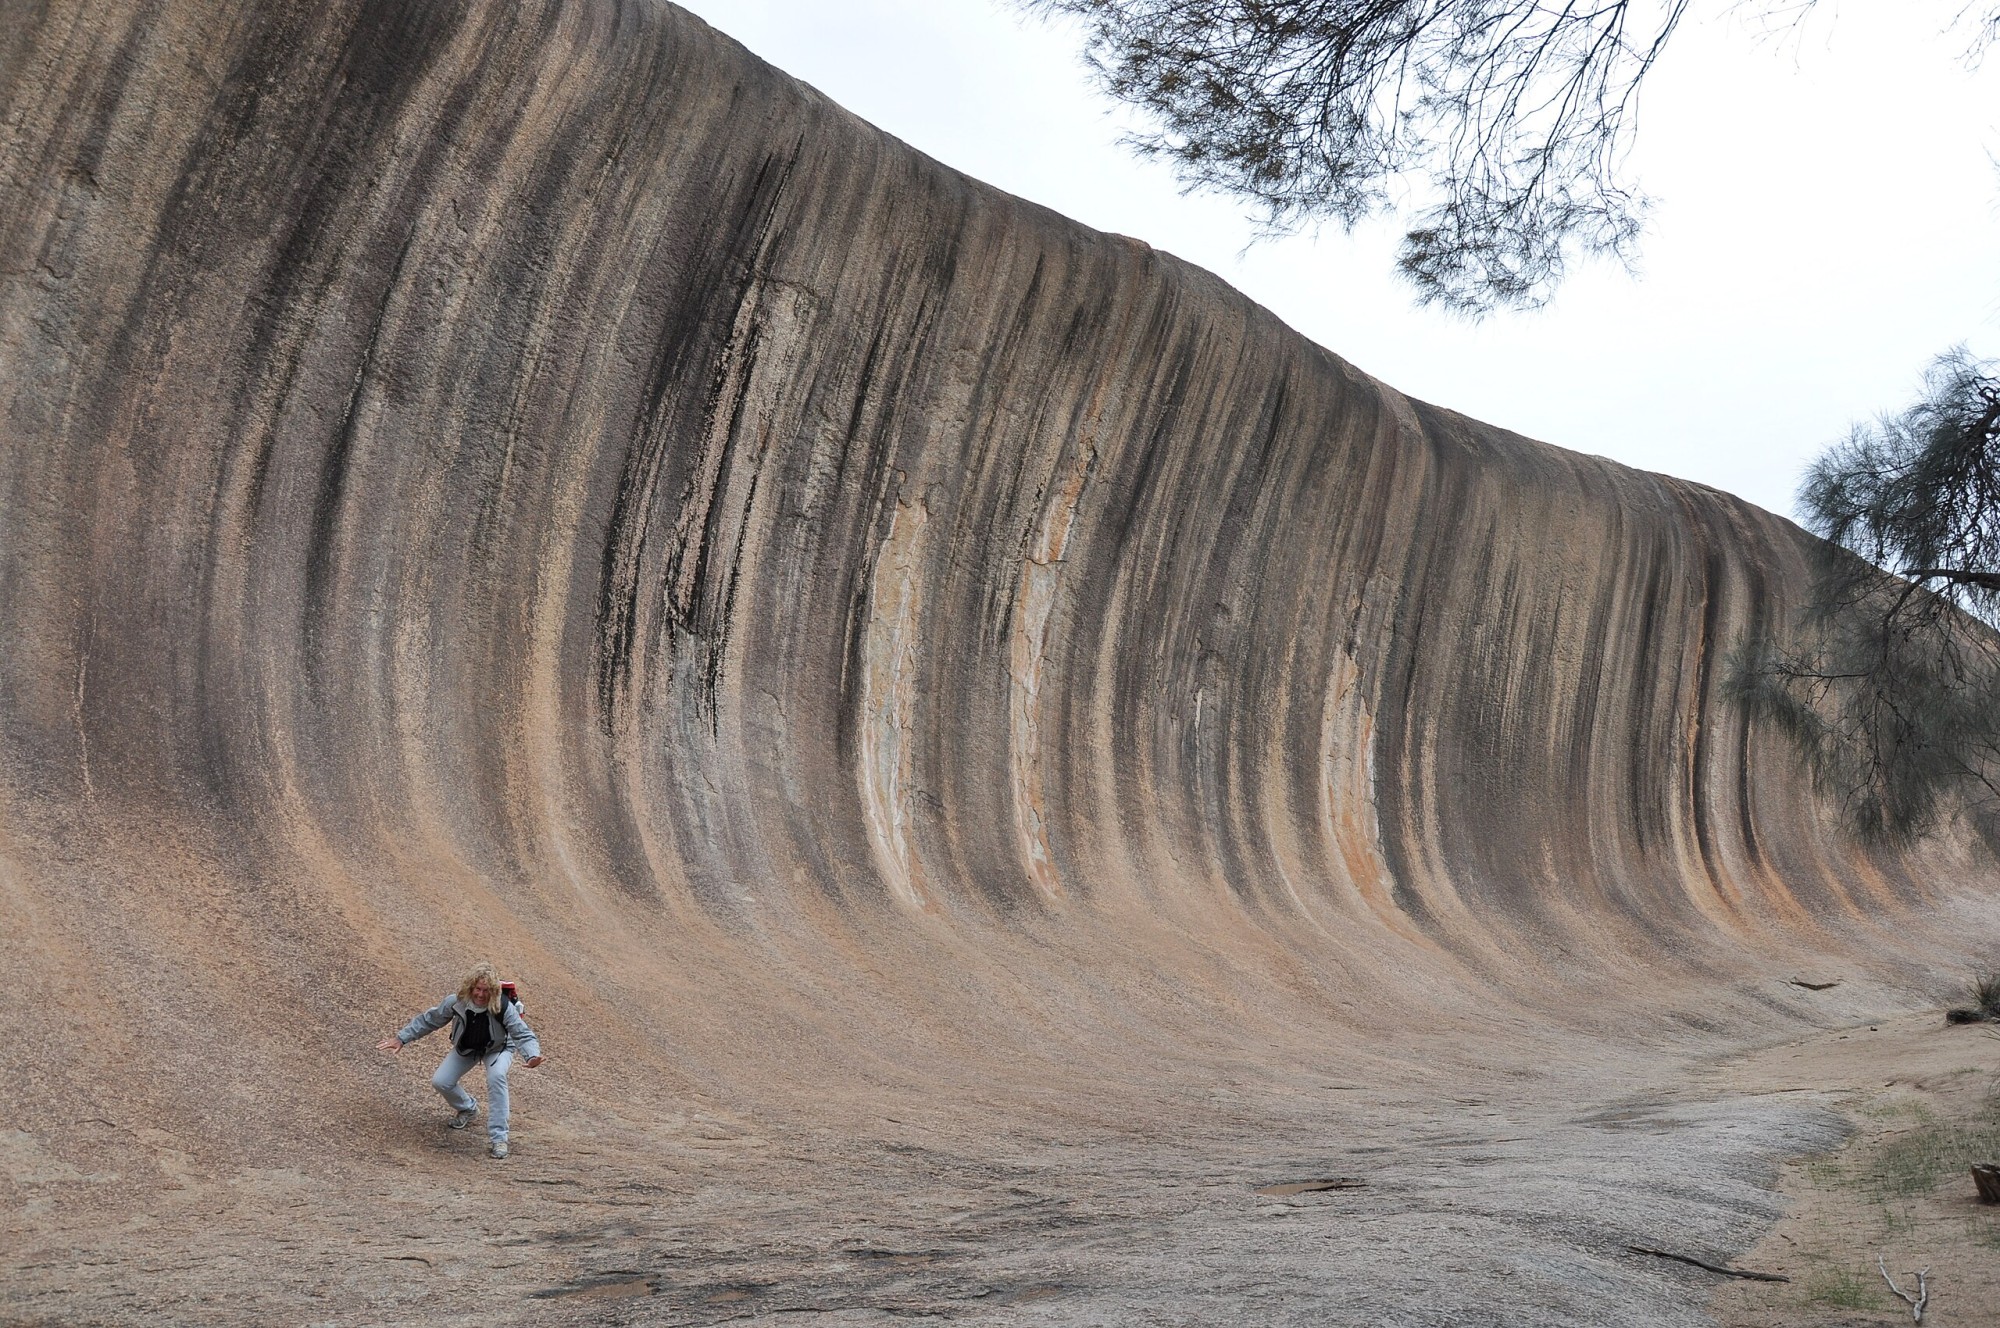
(617, 615)
(1643, 807)
(1149, 694)
(691, 604)
(1709, 566)
(1233, 808)
(1398, 776)
(987, 439)
(1394, 777)
(881, 489)
(854, 621)
(323, 542)
(1757, 594)
(622, 585)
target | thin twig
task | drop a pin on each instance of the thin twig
(1724, 1269)
(1916, 1302)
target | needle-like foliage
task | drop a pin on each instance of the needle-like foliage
(1498, 127)
(1893, 687)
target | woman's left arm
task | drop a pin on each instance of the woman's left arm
(520, 1038)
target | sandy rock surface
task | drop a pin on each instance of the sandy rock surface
(1923, 1100)
(1496, 1199)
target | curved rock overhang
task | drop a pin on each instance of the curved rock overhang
(536, 478)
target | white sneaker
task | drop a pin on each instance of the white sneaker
(465, 1118)
(499, 1148)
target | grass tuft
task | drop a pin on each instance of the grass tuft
(1916, 1160)
(1981, 997)
(1983, 993)
(1841, 1288)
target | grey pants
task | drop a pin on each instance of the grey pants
(456, 1063)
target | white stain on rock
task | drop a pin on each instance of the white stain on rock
(888, 683)
(1034, 602)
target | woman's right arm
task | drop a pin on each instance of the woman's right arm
(429, 1021)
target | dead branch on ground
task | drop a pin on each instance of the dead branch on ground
(1916, 1302)
(1724, 1269)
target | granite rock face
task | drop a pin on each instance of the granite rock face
(533, 478)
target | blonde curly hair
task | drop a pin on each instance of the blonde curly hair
(483, 969)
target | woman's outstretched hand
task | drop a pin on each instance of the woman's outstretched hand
(391, 1044)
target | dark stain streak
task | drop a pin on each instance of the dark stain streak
(323, 543)
(629, 534)
(1699, 778)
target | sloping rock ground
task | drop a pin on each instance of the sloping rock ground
(982, 747)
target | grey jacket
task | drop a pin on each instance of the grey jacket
(508, 1026)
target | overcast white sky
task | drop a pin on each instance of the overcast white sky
(1827, 220)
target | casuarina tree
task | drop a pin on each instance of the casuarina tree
(1892, 682)
(1504, 124)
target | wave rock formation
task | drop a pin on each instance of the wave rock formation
(535, 480)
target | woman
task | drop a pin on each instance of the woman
(486, 1029)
